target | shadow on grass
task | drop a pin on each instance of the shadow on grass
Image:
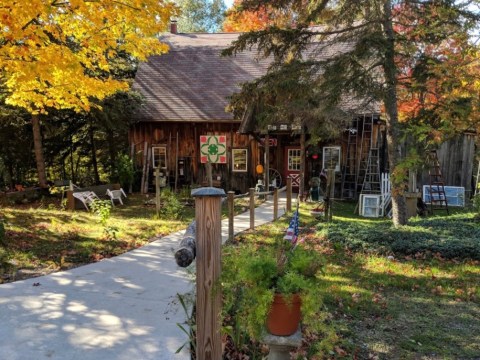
(403, 310)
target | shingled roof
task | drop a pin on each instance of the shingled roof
(193, 81)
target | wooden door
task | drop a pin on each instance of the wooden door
(293, 164)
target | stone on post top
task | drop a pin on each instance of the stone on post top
(208, 191)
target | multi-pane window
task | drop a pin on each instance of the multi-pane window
(239, 160)
(159, 157)
(294, 159)
(331, 157)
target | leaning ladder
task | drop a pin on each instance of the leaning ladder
(349, 178)
(438, 198)
(477, 182)
(366, 142)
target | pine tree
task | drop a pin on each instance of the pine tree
(375, 37)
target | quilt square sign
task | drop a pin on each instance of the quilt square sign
(213, 149)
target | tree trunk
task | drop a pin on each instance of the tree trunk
(72, 166)
(399, 205)
(94, 155)
(303, 160)
(37, 145)
(111, 149)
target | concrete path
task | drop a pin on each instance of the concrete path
(122, 308)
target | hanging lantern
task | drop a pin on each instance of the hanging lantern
(259, 169)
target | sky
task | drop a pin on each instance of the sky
(228, 3)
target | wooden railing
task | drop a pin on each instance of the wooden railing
(251, 194)
(203, 239)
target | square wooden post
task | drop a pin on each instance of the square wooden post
(289, 194)
(231, 211)
(208, 251)
(275, 204)
(252, 208)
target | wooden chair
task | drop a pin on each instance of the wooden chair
(116, 195)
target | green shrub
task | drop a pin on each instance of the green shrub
(476, 203)
(102, 208)
(2, 233)
(171, 206)
(124, 171)
(456, 236)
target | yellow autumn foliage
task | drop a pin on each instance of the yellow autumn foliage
(55, 53)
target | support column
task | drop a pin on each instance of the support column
(208, 252)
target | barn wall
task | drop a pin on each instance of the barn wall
(188, 135)
(457, 158)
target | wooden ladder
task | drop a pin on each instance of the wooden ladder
(366, 142)
(371, 181)
(438, 198)
(349, 178)
(477, 182)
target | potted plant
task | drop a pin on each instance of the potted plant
(256, 278)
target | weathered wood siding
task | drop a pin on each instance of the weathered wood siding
(188, 136)
(457, 158)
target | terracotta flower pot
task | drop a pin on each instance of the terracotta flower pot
(284, 315)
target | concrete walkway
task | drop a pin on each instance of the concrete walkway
(122, 308)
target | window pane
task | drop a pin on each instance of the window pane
(159, 157)
(331, 158)
(294, 159)
(239, 159)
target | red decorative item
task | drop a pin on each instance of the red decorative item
(283, 318)
(315, 156)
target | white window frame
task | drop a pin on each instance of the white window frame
(367, 209)
(156, 156)
(330, 149)
(455, 195)
(298, 155)
(240, 152)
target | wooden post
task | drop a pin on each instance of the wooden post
(275, 204)
(252, 208)
(70, 200)
(267, 164)
(289, 194)
(330, 194)
(208, 167)
(231, 195)
(302, 164)
(147, 167)
(157, 190)
(176, 164)
(145, 152)
(132, 154)
(208, 253)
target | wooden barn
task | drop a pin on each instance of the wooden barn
(186, 95)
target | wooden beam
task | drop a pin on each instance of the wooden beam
(252, 208)
(208, 253)
(302, 164)
(231, 210)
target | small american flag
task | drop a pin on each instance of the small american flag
(292, 231)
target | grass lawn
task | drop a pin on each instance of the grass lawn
(41, 238)
(409, 293)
